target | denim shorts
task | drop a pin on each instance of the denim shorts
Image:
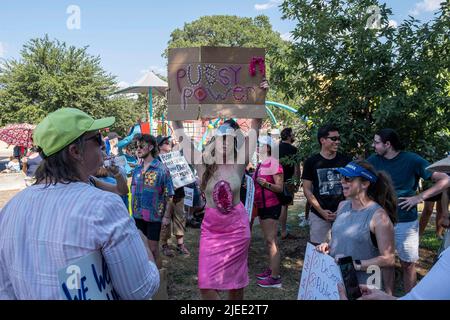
(407, 240)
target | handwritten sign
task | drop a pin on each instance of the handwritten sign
(179, 169)
(87, 278)
(320, 276)
(188, 197)
(250, 195)
(211, 82)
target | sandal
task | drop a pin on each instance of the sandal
(167, 251)
(181, 249)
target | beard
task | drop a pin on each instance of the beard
(145, 155)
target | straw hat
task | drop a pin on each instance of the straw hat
(441, 165)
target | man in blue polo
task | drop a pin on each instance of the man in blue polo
(405, 170)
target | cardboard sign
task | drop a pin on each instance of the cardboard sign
(188, 197)
(211, 82)
(87, 278)
(179, 169)
(250, 195)
(320, 276)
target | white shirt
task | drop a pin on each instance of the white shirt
(436, 284)
(45, 229)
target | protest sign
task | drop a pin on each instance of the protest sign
(250, 195)
(188, 197)
(211, 82)
(179, 169)
(320, 276)
(87, 278)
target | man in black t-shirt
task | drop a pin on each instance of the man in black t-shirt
(321, 185)
(291, 173)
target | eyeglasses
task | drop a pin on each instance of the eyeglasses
(336, 138)
(143, 146)
(348, 179)
(98, 138)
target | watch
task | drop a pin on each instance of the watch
(358, 265)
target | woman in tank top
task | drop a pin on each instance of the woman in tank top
(364, 224)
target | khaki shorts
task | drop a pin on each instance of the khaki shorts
(319, 229)
(177, 225)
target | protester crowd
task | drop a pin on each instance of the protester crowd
(80, 203)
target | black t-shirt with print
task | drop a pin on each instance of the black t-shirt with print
(327, 186)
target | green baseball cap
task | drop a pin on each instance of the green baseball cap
(64, 126)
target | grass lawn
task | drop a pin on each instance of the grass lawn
(182, 271)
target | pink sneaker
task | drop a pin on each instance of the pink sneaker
(270, 282)
(264, 275)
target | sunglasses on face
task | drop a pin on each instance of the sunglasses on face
(143, 146)
(348, 179)
(98, 138)
(334, 138)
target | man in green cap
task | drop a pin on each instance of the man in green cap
(62, 218)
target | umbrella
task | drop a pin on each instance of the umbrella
(18, 134)
(441, 165)
(149, 84)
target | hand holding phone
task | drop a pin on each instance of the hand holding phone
(349, 277)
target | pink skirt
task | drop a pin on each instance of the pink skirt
(224, 245)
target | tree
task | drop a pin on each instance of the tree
(51, 75)
(362, 79)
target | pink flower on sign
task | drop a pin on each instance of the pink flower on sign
(257, 61)
(223, 196)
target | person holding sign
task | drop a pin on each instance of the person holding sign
(152, 190)
(62, 218)
(364, 225)
(174, 220)
(225, 232)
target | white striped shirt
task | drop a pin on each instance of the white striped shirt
(45, 229)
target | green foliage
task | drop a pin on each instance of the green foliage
(364, 79)
(51, 75)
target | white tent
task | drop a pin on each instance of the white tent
(149, 83)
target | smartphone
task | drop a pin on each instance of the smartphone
(350, 279)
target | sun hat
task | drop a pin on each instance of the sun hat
(442, 165)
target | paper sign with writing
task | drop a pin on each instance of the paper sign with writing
(250, 195)
(211, 82)
(320, 276)
(87, 278)
(179, 169)
(188, 197)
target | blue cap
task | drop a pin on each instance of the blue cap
(354, 170)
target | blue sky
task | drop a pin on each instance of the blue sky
(131, 35)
